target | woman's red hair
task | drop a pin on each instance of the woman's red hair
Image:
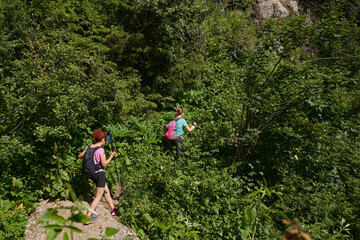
(98, 135)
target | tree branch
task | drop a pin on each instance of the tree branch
(328, 58)
(272, 71)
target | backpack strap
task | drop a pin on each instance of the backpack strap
(176, 121)
(97, 166)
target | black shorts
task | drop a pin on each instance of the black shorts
(99, 179)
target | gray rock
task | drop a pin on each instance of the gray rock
(94, 230)
(277, 8)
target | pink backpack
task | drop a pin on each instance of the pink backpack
(170, 130)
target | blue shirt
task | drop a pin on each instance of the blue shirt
(180, 124)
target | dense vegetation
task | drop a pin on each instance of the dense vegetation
(277, 105)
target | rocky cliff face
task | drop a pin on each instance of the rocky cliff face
(272, 8)
(277, 8)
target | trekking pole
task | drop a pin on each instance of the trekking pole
(108, 140)
(117, 171)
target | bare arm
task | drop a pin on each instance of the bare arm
(81, 155)
(105, 162)
(190, 128)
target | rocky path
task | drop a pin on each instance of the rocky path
(94, 230)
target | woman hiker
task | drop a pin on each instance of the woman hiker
(180, 125)
(99, 177)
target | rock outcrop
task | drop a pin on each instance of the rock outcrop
(277, 8)
(94, 230)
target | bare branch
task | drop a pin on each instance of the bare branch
(272, 71)
(19, 127)
(328, 58)
(93, 63)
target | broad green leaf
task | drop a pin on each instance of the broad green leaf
(74, 229)
(244, 233)
(111, 231)
(52, 217)
(65, 237)
(250, 214)
(53, 227)
(81, 218)
(52, 234)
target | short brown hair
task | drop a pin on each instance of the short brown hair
(179, 111)
(98, 135)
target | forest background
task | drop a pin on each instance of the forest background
(277, 104)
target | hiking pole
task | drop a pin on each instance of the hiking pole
(108, 140)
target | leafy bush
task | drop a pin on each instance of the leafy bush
(13, 220)
(276, 104)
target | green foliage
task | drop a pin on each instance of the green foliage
(179, 200)
(277, 107)
(55, 223)
(13, 220)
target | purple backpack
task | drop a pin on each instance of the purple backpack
(170, 130)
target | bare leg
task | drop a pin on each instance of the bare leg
(96, 201)
(108, 198)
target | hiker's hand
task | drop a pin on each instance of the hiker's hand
(113, 154)
(194, 123)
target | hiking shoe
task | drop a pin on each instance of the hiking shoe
(113, 212)
(94, 218)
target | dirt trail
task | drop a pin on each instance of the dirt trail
(94, 230)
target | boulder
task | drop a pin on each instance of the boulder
(277, 8)
(94, 230)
